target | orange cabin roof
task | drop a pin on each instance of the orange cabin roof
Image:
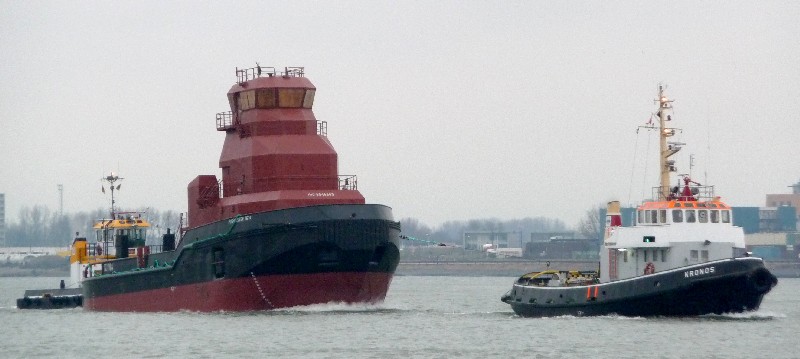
(713, 204)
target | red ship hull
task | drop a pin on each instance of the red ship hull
(251, 294)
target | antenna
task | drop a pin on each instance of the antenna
(111, 179)
(60, 199)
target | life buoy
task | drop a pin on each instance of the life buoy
(649, 268)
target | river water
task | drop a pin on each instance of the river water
(423, 317)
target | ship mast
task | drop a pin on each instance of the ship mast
(111, 179)
(666, 150)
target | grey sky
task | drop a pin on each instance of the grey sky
(445, 110)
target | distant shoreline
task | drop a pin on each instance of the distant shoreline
(788, 269)
(33, 272)
(442, 268)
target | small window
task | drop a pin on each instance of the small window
(265, 98)
(690, 218)
(704, 255)
(662, 216)
(677, 216)
(702, 215)
(625, 256)
(663, 255)
(308, 101)
(640, 216)
(655, 255)
(247, 100)
(645, 255)
(653, 216)
(693, 255)
(726, 216)
(291, 97)
(714, 216)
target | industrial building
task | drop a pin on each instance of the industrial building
(771, 232)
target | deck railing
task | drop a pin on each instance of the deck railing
(247, 74)
(699, 193)
(232, 188)
(224, 121)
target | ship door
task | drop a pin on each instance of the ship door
(218, 262)
(612, 264)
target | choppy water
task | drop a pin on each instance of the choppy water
(423, 317)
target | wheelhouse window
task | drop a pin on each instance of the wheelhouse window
(704, 255)
(690, 218)
(714, 216)
(247, 100)
(291, 97)
(702, 216)
(308, 101)
(726, 216)
(693, 255)
(655, 255)
(265, 98)
(640, 216)
(677, 216)
(653, 216)
(662, 216)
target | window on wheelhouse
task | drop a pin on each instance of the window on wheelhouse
(690, 216)
(677, 216)
(702, 215)
(655, 255)
(704, 255)
(640, 216)
(726, 216)
(662, 216)
(714, 216)
(693, 255)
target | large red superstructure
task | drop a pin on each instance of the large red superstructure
(276, 154)
(281, 228)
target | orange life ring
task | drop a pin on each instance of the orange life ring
(650, 268)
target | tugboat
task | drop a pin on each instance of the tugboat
(281, 228)
(683, 257)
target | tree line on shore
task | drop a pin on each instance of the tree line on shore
(451, 232)
(38, 226)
